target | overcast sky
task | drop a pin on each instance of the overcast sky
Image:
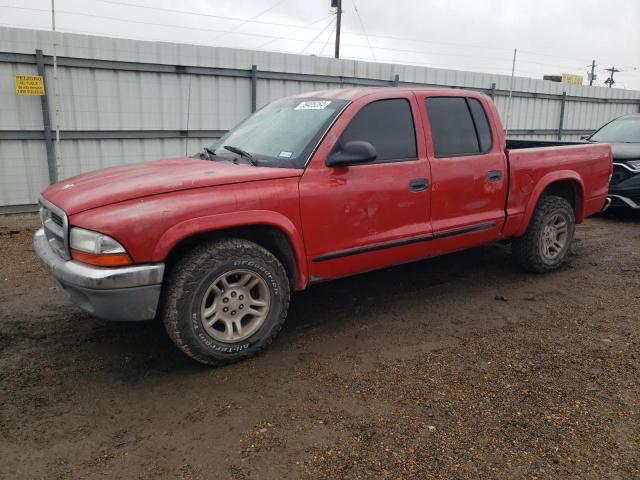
(552, 36)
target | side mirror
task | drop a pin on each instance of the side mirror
(353, 153)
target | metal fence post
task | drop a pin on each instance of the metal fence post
(561, 124)
(254, 87)
(492, 93)
(46, 121)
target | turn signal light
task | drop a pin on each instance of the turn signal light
(102, 259)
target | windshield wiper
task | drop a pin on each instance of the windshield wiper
(242, 153)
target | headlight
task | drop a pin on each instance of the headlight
(97, 249)
(635, 164)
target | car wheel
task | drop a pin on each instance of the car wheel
(225, 301)
(545, 245)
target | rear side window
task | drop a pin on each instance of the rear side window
(482, 124)
(388, 126)
(459, 126)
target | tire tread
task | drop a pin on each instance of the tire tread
(181, 282)
(525, 248)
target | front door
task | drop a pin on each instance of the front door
(365, 216)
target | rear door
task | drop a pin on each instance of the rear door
(468, 171)
(368, 215)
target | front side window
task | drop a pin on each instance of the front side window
(388, 126)
(282, 134)
(459, 126)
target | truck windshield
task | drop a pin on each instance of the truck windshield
(283, 134)
(625, 130)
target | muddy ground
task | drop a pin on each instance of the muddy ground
(455, 367)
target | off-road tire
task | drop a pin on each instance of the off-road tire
(186, 285)
(527, 249)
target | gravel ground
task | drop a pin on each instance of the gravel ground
(456, 367)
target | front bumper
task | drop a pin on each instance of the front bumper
(624, 190)
(124, 293)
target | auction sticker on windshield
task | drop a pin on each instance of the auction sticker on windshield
(313, 105)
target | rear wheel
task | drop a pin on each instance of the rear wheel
(225, 301)
(545, 245)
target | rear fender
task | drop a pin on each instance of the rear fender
(542, 185)
(212, 223)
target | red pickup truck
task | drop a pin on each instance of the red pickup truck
(307, 189)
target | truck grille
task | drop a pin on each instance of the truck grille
(56, 228)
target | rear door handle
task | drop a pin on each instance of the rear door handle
(494, 175)
(418, 184)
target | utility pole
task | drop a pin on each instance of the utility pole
(338, 5)
(56, 88)
(593, 73)
(513, 72)
(609, 81)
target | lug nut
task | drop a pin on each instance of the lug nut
(241, 306)
(233, 294)
(241, 297)
(233, 312)
(225, 309)
(225, 300)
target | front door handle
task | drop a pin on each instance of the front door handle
(418, 184)
(494, 175)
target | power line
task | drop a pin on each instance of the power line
(298, 27)
(197, 14)
(277, 4)
(501, 71)
(284, 37)
(309, 26)
(327, 40)
(316, 37)
(270, 37)
(550, 55)
(244, 20)
(355, 7)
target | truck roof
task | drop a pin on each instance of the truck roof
(359, 92)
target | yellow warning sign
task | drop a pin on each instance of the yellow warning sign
(29, 85)
(571, 78)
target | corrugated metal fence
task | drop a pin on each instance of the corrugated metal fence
(124, 101)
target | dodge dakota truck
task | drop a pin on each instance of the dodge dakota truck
(308, 189)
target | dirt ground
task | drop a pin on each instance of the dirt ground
(456, 367)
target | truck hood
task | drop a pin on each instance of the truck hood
(118, 184)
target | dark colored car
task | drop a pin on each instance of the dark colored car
(623, 134)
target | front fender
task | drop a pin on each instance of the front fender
(541, 186)
(211, 223)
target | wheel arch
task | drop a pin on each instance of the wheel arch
(270, 230)
(564, 184)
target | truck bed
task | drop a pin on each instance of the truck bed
(533, 167)
(517, 144)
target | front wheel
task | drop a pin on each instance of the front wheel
(225, 301)
(545, 245)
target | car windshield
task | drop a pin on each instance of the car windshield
(624, 129)
(282, 134)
